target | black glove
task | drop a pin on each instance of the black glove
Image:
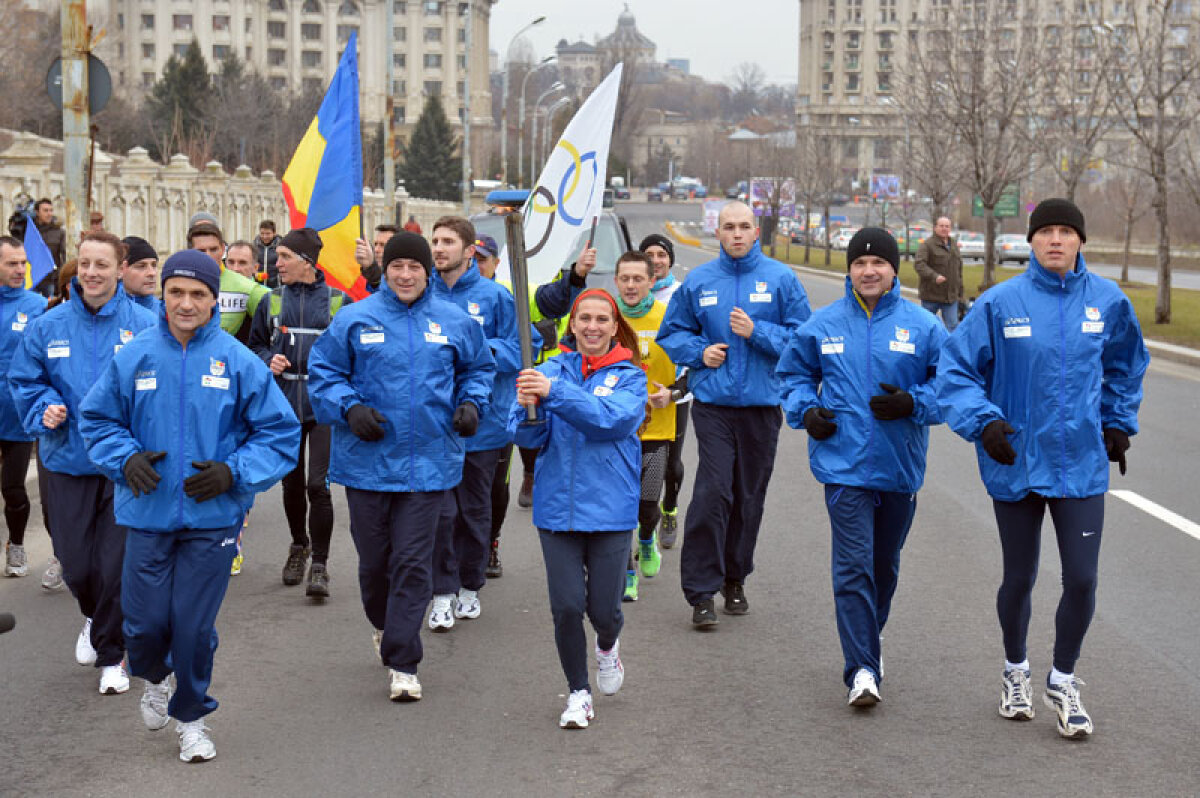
(365, 422)
(894, 403)
(995, 442)
(817, 422)
(143, 479)
(548, 329)
(466, 419)
(680, 388)
(1116, 443)
(372, 274)
(211, 480)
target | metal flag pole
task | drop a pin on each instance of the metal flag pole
(514, 229)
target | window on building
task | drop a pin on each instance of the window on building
(832, 13)
(462, 62)
(310, 58)
(120, 49)
(344, 32)
(310, 32)
(311, 7)
(854, 10)
(433, 34)
(852, 82)
(312, 85)
(883, 149)
(277, 30)
(853, 40)
(460, 89)
(180, 50)
(827, 82)
(400, 7)
(462, 35)
(220, 22)
(462, 9)
(278, 83)
(433, 88)
(887, 11)
(433, 61)
(276, 57)
(249, 52)
(399, 60)
(885, 62)
(852, 62)
(148, 52)
(398, 114)
(181, 21)
(220, 52)
(277, 5)
(249, 24)
(400, 34)
(348, 8)
(432, 7)
(886, 41)
(827, 40)
(850, 148)
(883, 83)
(399, 87)
(121, 21)
(147, 22)
(147, 80)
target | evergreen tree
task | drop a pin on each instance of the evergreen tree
(429, 166)
(178, 103)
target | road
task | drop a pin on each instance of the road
(756, 707)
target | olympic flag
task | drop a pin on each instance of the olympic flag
(569, 191)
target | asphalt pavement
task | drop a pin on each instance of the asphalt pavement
(755, 707)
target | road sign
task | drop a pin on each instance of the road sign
(99, 84)
(1009, 204)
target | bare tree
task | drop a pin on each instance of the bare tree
(775, 162)
(1157, 71)
(747, 83)
(1128, 188)
(933, 156)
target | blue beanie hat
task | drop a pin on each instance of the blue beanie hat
(195, 264)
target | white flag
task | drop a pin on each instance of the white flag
(570, 190)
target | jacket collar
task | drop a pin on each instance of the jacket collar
(1045, 278)
(885, 305)
(744, 264)
(8, 292)
(468, 279)
(210, 328)
(108, 309)
(308, 287)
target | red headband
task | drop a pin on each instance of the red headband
(596, 293)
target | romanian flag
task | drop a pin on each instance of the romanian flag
(323, 185)
(41, 262)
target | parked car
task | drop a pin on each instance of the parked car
(1012, 246)
(841, 239)
(700, 192)
(654, 195)
(970, 245)
(681, 193)
(620, 192)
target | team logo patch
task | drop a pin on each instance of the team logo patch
(611, 380)
(473, 308)
(1093, 314)
(126, 336)
(902, 335)
(760, 287)
(216, 367)
(21, 317)
(435, 328)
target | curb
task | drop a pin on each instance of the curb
(682, 239)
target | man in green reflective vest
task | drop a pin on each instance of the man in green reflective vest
(239, 295)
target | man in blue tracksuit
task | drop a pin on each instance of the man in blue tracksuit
(729, 322)
(63, 354)
(399, 376)
(190, 426)
(1045, 377)
(859, 377)
(139, 272)
(282, 333)
(18, 307)
(464, 532)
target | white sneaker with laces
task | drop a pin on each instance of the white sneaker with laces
(194, 743)
(1074, 723)
(15, 563)
(377, 639)
(154, 704)
(113, 680)
(52, 579)
(864, 691)
(467, 604)
(405, 687)
(1016, 696)
(441, 618)
(610, 673)
(84, 653)
(578, 712)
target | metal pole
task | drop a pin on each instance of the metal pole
(550, 112)
(521, 117)
(533, 175)
(76, 119)
(514, 229)
(466, 117)
(504, 106)
(389, 128)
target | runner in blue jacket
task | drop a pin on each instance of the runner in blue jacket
(18, 307)
(859, 377)
(728, 323)
(63, 354)
(190, 426)
(460, 553)
(586, 487)
(1045, 377)
(400, 376)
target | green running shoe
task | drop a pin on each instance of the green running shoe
(649, 558)
(631, 582)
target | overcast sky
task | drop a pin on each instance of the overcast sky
(715, 35)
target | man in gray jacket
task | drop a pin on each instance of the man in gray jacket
(939, 266)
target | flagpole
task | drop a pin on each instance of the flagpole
(514, 229)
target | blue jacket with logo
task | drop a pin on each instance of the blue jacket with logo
(837, 360)
(64, 352)
(490, 305)
(213, 400)
(698, 316)
(1059, 359)
(18, 308)
(415, 365)
(588, 473)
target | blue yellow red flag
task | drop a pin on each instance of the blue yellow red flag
(41, 262)
(323, 184)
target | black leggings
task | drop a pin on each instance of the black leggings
(528, 458)
(14, 465)
(500, 491)
(674, 479)
(1077, 525)
(311, 495)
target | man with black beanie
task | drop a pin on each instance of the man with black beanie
(283, 331)
(869, 454)
(139, 272)
(1044, 375)
(392, 376)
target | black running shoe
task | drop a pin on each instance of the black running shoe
(668, 528)
(494, 569)
(318, 582)
(704, 614)
(735, 599)
(525, 497)
(293, 569)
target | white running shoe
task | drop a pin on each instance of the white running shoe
(610, 673)
(377, 639)
(405, 687)
(154, 704)
(113, 680)
(52, 579)
(578, 712)
(467, 604)
(84, 653)
(194, 743)
(1074, 723)
(15, 563)
(1016, 696)
(864, 692)
(440, 617)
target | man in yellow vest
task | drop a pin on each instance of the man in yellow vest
(239, 295)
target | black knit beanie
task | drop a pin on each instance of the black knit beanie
(305, 242)
(1056, 211)
(408, 245)
(873, 241)
(138, 249)
(658, 240)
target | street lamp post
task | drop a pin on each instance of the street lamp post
(521, 117)
(558, 86)
(550, 112)
(466, 115)
(504, 106)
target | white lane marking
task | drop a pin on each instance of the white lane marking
(1158, 511)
